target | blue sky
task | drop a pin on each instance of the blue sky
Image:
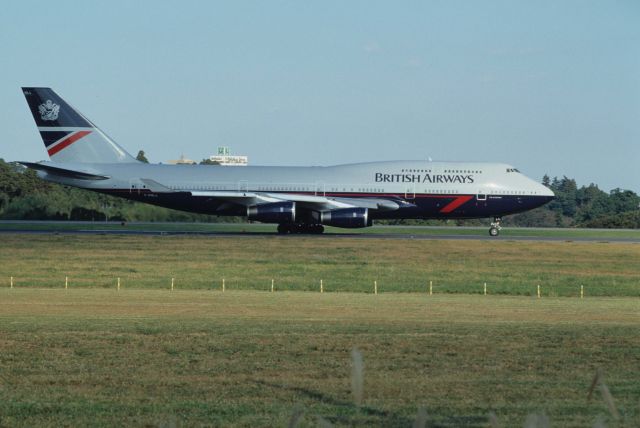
(548, 86)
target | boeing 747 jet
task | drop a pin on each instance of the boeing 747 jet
(298, 199)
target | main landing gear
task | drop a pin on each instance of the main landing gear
(495, 226)
(286, 228)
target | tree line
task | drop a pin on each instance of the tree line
(23, 196)
(585, 206)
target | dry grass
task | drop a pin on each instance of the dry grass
(150, 357)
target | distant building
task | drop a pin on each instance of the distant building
(182, 161)
(224, 157)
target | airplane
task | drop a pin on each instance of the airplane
(298, 199)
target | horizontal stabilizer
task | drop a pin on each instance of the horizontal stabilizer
(63, 172)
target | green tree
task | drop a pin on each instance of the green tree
(592, 203)
(141, 157)
(567, 197)
(546, 181)
(623, 201)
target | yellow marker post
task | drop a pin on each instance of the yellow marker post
(538, 291)
(375, 287)
(223, 285)
(430, 288)
(321, 287)
(582, 291)
(11, 282)
(485, 288)
(118, 284)
(172, 280)
(272, 281)
(66, 282)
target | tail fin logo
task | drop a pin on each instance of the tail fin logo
(49, 110)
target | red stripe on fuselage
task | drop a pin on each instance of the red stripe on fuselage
(67, 142)
(459, 200)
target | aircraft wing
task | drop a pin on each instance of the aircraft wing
(312, 202)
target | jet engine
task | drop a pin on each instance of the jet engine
(277, 212)
(346, 217)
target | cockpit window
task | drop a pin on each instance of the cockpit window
(512, 170)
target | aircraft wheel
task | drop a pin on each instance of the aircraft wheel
(283, 229)
(494, 231)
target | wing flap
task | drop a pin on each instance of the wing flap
(371, 203)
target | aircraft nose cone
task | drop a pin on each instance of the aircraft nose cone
(545, 191)
(546, 195)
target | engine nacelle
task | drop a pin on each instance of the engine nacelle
(277, 212)
(347, 217)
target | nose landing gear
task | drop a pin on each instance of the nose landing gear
(495, 227)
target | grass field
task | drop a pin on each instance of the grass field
(345, 265)
(96, 357)
(64, 226)
(146, 356)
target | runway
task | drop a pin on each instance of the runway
(422, 233)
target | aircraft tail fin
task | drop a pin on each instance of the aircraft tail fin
(67, 134)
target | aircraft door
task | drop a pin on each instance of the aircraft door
(134, 186)
(481, 199)
(410, 191)
(319, 189)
